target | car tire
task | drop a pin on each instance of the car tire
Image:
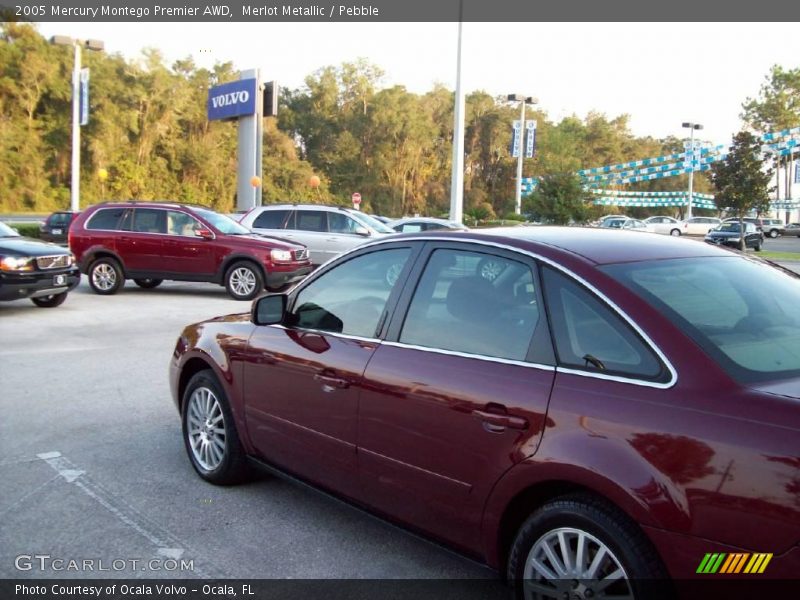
(209, 432)
(105, 276)
(773, 233)
(50, 301)
(148, 284)
(580, 521)
(758, 247)
(675, 233)
(243, 280)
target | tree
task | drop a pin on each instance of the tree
(741, 180)
(559, 198)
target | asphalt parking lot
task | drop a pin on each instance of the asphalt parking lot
(93, 467)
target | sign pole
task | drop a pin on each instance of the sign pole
(248, 154)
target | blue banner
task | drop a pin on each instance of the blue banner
(530, 139)
(797, 171)
(84, 97)
(516, 132)
(231, 100)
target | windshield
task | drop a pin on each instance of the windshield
(222, 223)
(743, 313)
(6, 231)
(372, 222)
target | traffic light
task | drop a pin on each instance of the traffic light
(271, 91)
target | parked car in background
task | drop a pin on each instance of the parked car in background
(602, 219)
(769, 227)
(627, 224)
(41, 271)
(56, 226)
(699, 225)
(730, 234)
(792, 229)
(153, 241)
(572, 423)
(664, 225)
(417, 224)
(326, 231)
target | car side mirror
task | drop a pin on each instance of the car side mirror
(269, 309)
(362, 231)
(206, 234)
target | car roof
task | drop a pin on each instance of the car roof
(595, 245)
(150, 204)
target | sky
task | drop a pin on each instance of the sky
(660, 74)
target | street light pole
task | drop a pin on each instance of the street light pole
(692, 127)
(523, 100)
(75, 183)
(75, 186)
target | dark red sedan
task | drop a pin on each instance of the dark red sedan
(607, 411)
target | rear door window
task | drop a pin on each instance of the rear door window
(149, 220)
(311, 220)
(455, 308)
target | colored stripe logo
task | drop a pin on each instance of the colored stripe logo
(737, 562)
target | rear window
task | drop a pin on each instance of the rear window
(741, 312)
(106, 218)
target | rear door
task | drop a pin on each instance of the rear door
(458, 392)
(142, 245)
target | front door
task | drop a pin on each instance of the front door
(303, 382)
(457, 394)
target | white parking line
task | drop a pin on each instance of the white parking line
(166, 544)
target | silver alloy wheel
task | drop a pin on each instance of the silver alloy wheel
(243, 281)
(491, 269)
(206, 429)
(572, 564)
(393, 272)
(675, 233)
(104, 277)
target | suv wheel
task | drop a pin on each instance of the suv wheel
(209, 432)
(148, 284)
(50, 301)
(773, 233)
(580, 547)
(105, 276)
(244, 281)
(675, 232)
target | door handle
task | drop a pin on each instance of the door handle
(496, 422)
(329, 383)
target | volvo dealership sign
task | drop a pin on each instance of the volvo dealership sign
(231, 100)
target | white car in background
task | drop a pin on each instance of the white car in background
(699, 225)
(627, 224)
(665, 225)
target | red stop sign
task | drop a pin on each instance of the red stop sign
(356, 198)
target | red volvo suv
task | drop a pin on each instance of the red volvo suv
(153, 241)
(602, 413)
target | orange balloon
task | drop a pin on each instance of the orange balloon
(255, 181)
(314, 181)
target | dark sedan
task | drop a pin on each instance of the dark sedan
(606, 413)
(56, 227)
(41, 271)
(730, 234)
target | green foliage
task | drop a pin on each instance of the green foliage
(148, 130)
(559, 198)
(741, 180)
(26, 229)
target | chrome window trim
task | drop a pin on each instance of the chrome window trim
(484, 357)
(346, 336)
(649, 342)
